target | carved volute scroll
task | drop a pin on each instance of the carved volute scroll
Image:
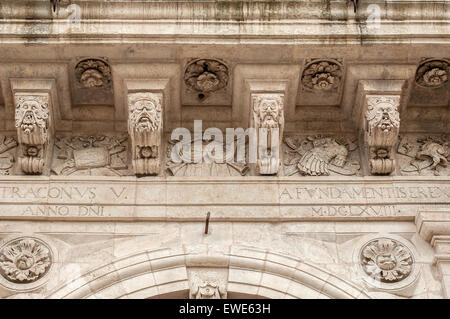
(145, 125)
(382, 125)
(268, 114)
(32, 121)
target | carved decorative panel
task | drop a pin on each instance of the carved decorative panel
(91, 155)
(215, 160)
(8, 145)
(424, 155)
(321, 155)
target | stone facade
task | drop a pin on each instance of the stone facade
(93, 104)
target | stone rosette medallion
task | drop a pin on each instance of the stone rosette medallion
(387, 263)
(386, 260)
(432, 73)
(24, 262)
(322, 75)
(206, 75)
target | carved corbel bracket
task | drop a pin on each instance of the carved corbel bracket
(379, 107)
(145, 126)
(382, 126)
(34, 122)
(268, 120)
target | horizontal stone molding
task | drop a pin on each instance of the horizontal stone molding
(228, 199)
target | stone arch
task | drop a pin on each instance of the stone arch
(252, 272)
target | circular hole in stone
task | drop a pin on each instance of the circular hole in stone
(201, 96)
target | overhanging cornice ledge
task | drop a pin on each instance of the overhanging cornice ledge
(433, 223)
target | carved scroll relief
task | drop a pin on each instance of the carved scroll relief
(382, 124)
(268, 120)
(32, 117)
(145, 126)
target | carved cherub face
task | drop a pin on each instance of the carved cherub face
(31, 112)
(384, 116)
(146, 115)
(269, 111)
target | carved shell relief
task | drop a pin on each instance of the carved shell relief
(322, 75)
(25, 260)
(320, 156)
(92, 73)
(206, 75)
(386, 260)
(432, 73)
(424, 155)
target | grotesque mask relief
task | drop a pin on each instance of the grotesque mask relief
(424, 155)
(322, 75)
(145, 128)
(268, 115)
(90, 155)
(206, 75)
(32, 113)
(215, 161)
(386, 260)
(320, 156)
(32, 119)
(93, 73)
(432, 73)
(25, 260)
(381, 135)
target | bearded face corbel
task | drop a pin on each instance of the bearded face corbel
(269, 111)
(382, 129)
(145, 115)
(31, 117)
(145, 128)
(268, 114)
